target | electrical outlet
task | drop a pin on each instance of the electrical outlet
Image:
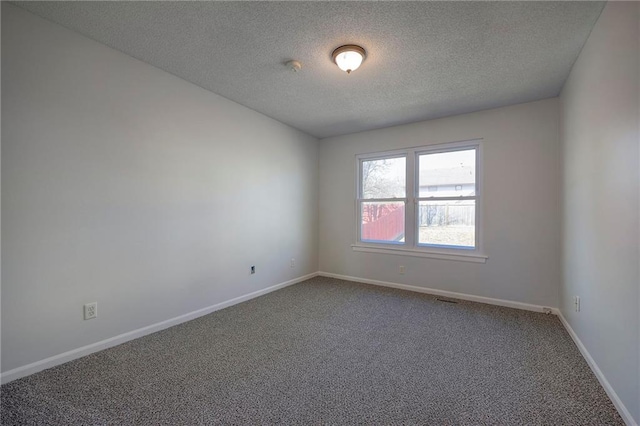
(401, 269)
(293, 263)
(576, 302)
(253, 269)
(90, 310)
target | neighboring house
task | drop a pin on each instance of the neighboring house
(449, 182)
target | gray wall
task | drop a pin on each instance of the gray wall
(599, 106)
(521, 215)
(125, 185)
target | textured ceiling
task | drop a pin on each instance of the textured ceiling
(425, 59)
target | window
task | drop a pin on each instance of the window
(383, 200)
(421, 201)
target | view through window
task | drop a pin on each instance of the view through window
(384, 190)
(447, 198)
(422, 197)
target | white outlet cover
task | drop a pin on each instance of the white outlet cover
(90, 310)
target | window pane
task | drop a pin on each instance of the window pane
(384, 178)
(382, 221)
(448, 174)
(449, 223)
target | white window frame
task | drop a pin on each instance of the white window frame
(381, 156)
(410, 246)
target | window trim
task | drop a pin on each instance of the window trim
(411, 247)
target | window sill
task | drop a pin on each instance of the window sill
(462, 257)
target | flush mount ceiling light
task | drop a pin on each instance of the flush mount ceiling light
(349, 57)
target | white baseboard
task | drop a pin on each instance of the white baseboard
(62, 358)
(624, 413)
(444, 293)
(37, 366)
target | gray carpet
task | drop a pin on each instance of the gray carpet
(328, 352)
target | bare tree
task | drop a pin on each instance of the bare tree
(378, 182)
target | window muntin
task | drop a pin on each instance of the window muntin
(439, 183)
